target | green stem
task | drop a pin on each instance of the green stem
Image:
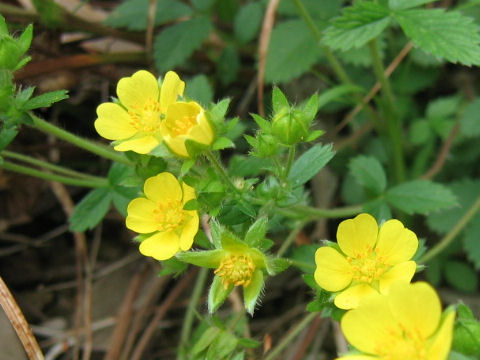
(290, 159)
(220, 170)
(52, 177)
(290, 336)
(190, 315)
(393, 122)
(97, 149)
(308, 213)
(290, 238)
(48, 166)
(437, 249)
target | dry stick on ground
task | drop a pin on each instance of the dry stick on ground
(19, 323)
(124, 316)
(312, 331)
(161, 312)
(84, 294)
(267, 26)
(152, 9)
(388, 71)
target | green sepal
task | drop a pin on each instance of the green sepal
(257, 231)
(25, 40)
(195, 148)
(279, 101)
(253, 291)
(277, 265)
(314, 135)
(231, 242)
(207, 259)
(218, 111)
(466, 336)
(216, 231)
(222, 143)
(310, 108)
(261, 122)
(217, 294)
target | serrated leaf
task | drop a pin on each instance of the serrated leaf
(132, 14)
(369, 173)
(91, 210)
(470, 120)
(288, 40)
(310, 163)
(45, 99)
(420, 197)
(199, 89)
(176, 43)
(406, 4)
(449, 35)
(358, 25)
(461, 276)
(247, 21)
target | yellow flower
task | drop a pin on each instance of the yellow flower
(370, 260)
(185, 121)
(135, 124)
(161, 215)
(406, 323)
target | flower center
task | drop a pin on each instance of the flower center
(146, 118)
(168, 215)
(367, 267)
(403, 344)
(183, 125)
(236, 270)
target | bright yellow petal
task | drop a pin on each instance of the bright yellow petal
(177, 145)
(161, 246)
(358, 235)
(172, 87)
(163, 186)
(113, 122)
(400, 272)
(415, 306)
(141, 145)
(189, 231)
(201, 133)
(351, 297)
(140, 216)
(439, 346)
(135, 90)
(396, 243)
(370, 325)
(188, 193)
(333, 272)
(358, 357)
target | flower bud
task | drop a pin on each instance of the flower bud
(10, 53)
(290, 126)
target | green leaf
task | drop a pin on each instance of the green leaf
(25, 39)
(471, 243)
(253, 291)
(406, 4)
(247, 21)
(217, 294)
(336, 93)
(369, 173)
(205, 340)
(176, 43)
(461, 276)
(219, 110)
(222, 143)
(257, 231)
(228, 65)
(132, 14)
(3, 26)
(223, 345)
(7, 135)
(173, 267)
(358, 25)
(420, 197)
(310, 163)
(449, 35)
(91, 210)
(203, 5)
(45, 99)
(248, 343)
(289, 40)
(199, 89)
(470, 120)
(444, 107)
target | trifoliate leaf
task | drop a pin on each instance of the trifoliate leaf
(449, 35)
(176, 43)
(369, 173)
(420, 197)
(291, 52)
(357, 25)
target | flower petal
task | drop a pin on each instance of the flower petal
(396, 243)
(442, 341)
(113, 122)
(358, 357)
(141, 145)
(358, 235)
(135, 90)
(189, 231)
(415, 306)
(369, 326)
(163, 186)
(188, 193)
(161, 246)
(172, 87)
(400, 272)
(351, 297)
(141, 217)
(176, 145)
(202, 132)
(333, 272)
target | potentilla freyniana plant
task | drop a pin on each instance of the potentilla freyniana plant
(238, 212)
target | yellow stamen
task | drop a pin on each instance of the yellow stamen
(169, 214)
(236, 270)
